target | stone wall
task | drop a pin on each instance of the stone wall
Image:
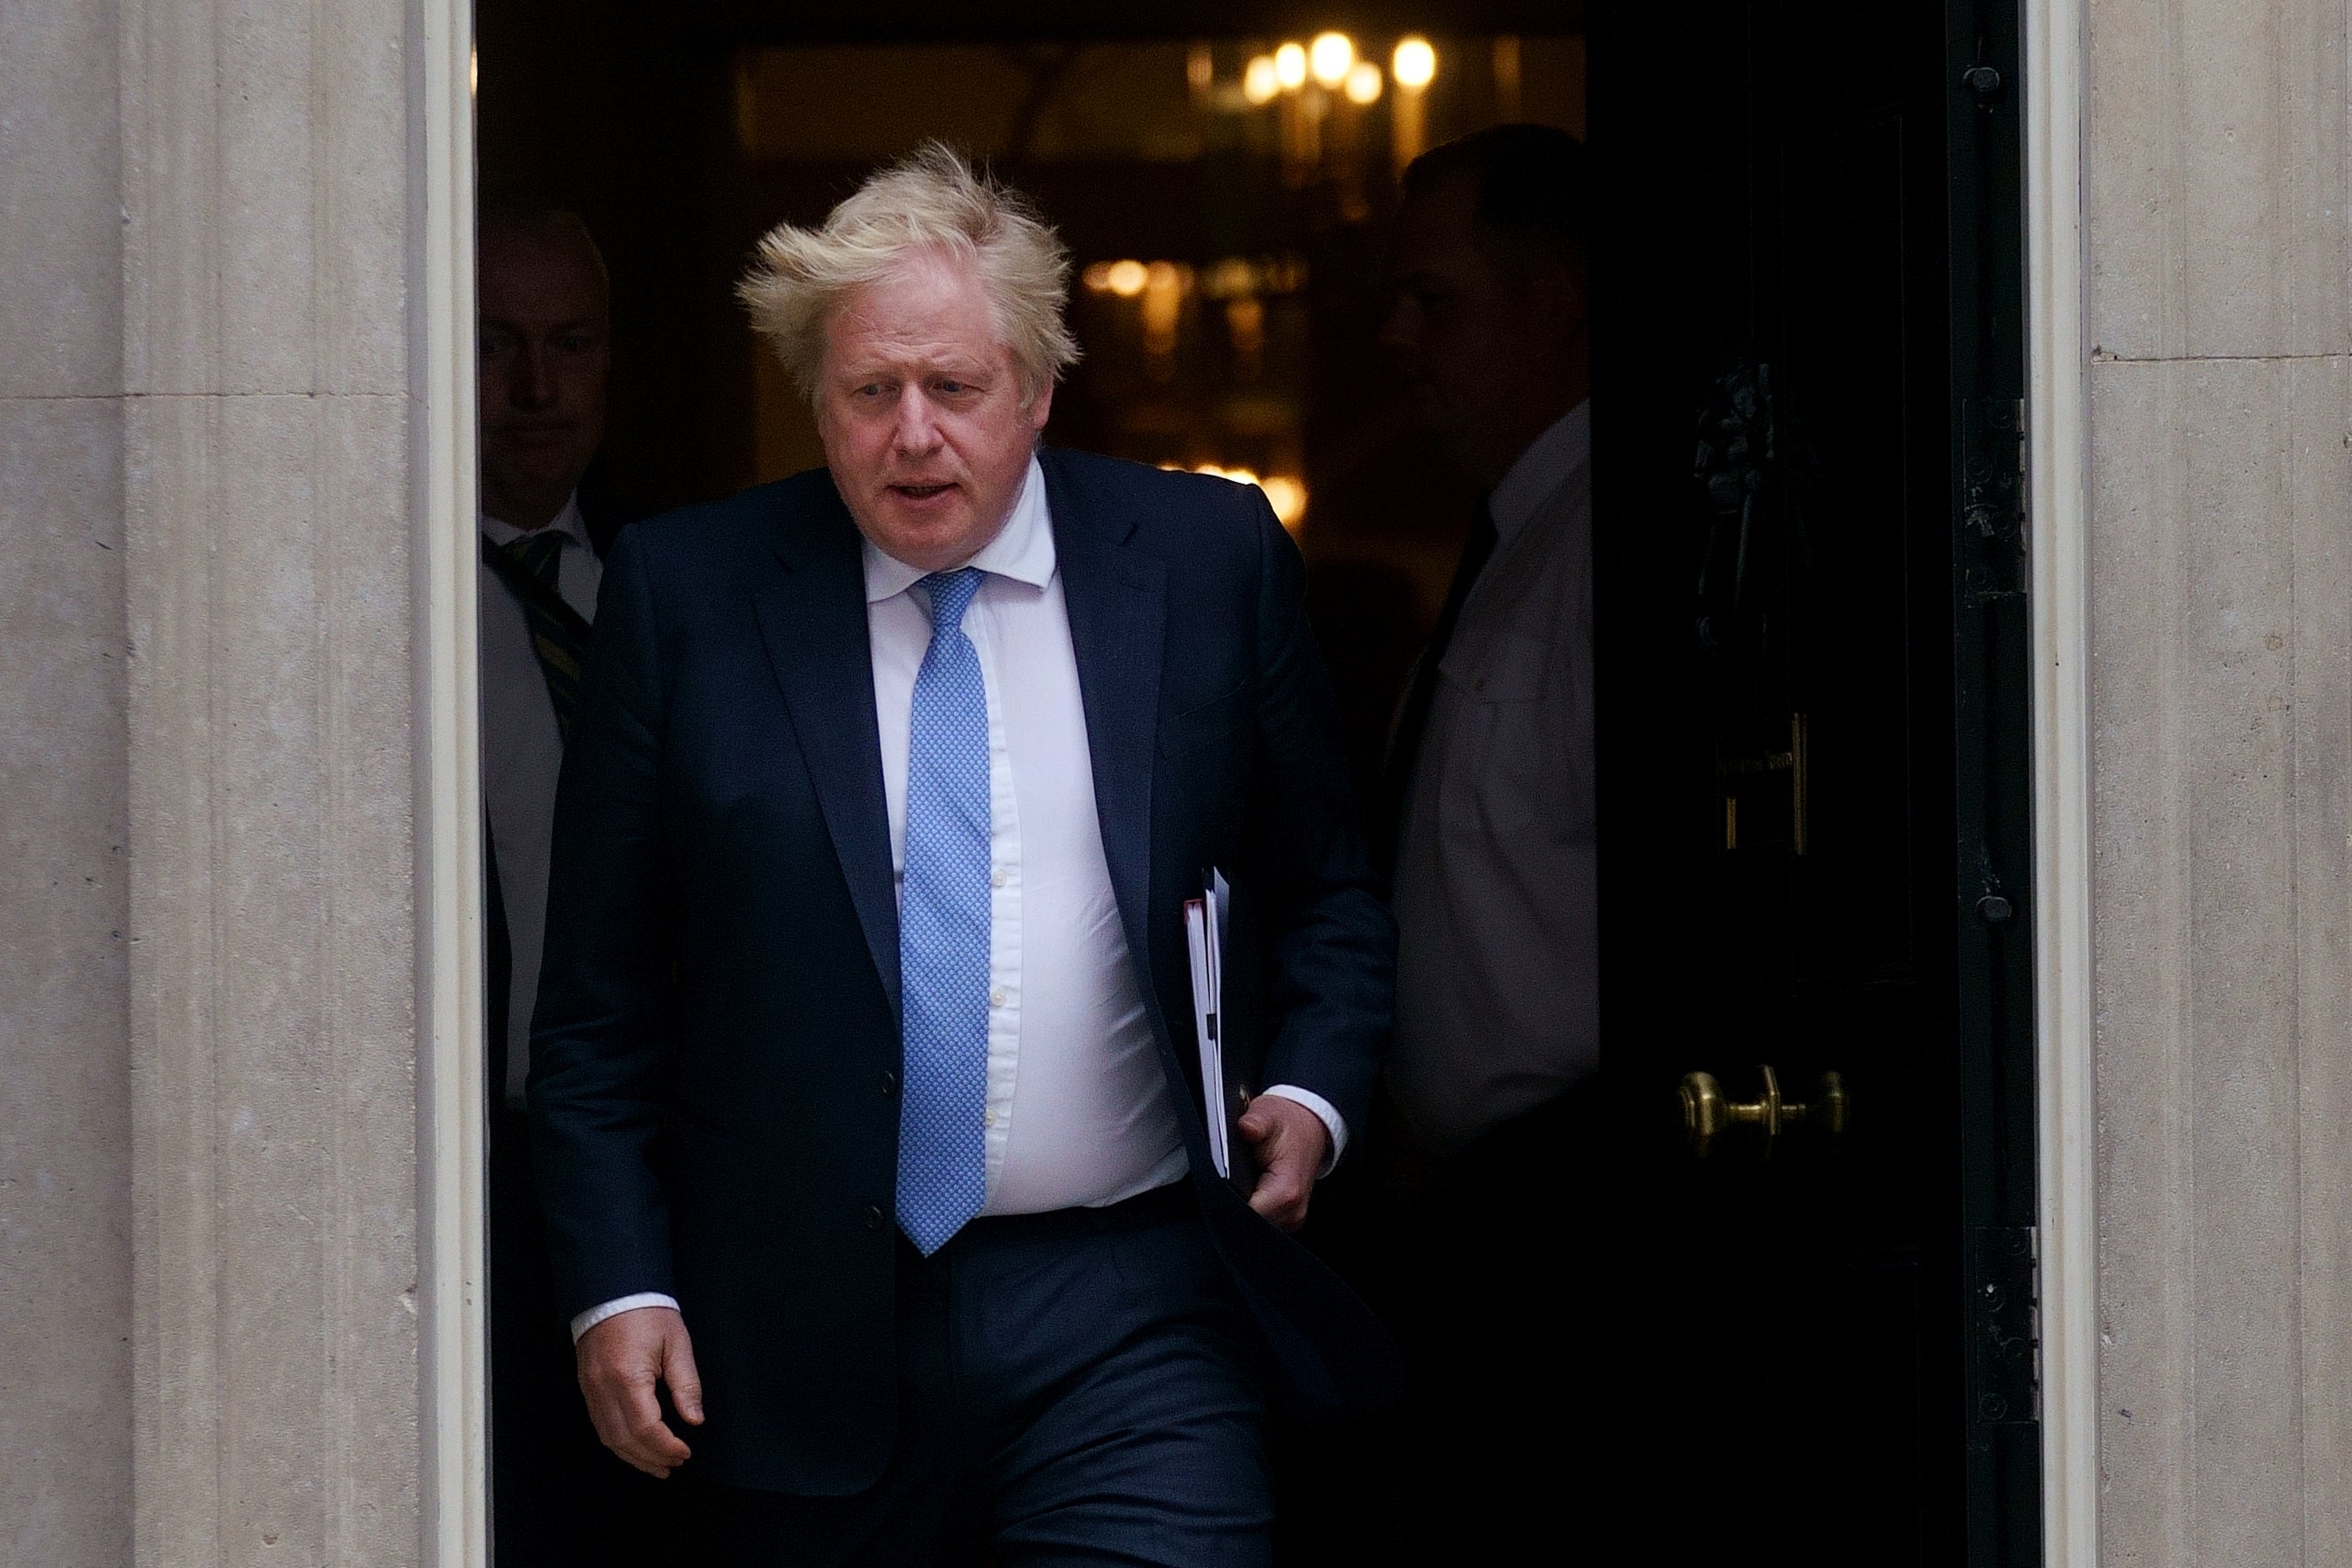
(2219, 208)
(209, 769)
(65, 1057)
(267, 208)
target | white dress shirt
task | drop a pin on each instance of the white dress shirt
(1497, 896)
(1078, 1112)
(523, 751)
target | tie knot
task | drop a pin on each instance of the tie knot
(952, 594)
(535, 552)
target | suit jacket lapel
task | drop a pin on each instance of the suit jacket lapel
(1117, 605)
(813, 620)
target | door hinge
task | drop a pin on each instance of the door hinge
(1993, 542)
(2005, 1324)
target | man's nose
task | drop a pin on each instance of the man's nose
(535, 387)
(918, 428)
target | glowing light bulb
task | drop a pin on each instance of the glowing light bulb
(1286, 495)
(1126, 279)
(1290, 67)
(1364, 83)
(1260, 83)
(1414, 64)
(1329, 57)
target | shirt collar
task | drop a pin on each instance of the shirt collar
(1548, 463)
(1022, 549)
(567, 522)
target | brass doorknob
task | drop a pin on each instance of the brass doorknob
(1709, 1113)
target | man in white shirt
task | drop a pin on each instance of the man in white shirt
(1491, 810)
(546, 359)
(545, 331)
(862, 1113)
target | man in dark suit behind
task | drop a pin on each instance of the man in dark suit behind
(865, 1099)
(556, 1496)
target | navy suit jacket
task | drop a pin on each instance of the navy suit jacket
(716, 1050)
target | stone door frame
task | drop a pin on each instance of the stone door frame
(2058, 437)
(454, 1483)
(450, 1108)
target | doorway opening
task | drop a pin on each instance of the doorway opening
(1809, 624)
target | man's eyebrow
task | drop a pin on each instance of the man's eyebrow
(962, 370)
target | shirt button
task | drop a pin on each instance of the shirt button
(988, 1118)
(996, 997)
(996, 878)
(889, 1084)
(873, 1216)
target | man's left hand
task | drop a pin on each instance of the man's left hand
(1291, 1144)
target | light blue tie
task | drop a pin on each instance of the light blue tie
(943, 929)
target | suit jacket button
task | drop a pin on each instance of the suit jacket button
(873, 1216)
(889, 1085)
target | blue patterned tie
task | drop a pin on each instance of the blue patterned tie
(943, 929)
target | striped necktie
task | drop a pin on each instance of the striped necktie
(528, 566)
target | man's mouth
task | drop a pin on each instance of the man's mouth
(921, 492)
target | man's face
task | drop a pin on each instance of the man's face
(922, 415)
(1482, 342)
(546, 353)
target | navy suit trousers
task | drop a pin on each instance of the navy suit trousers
(1077, 1387)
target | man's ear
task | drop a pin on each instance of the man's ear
(1041, 406)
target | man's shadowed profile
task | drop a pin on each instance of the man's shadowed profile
(545, 331)
(1488, 1177)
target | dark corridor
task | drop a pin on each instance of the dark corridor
(1812, 1346)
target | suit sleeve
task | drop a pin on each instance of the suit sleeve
(1331, 992)
(600, 1043)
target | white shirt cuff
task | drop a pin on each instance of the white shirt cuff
(615, 1307)
(1325, 1112)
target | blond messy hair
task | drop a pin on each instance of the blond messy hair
(930, 202)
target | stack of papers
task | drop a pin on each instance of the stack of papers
(1207, 919)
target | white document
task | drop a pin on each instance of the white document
(1206, 920)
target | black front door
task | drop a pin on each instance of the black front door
(1810, 624)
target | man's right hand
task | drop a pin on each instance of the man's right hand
(621, 1361)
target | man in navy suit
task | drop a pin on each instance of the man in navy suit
(865, 1105)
